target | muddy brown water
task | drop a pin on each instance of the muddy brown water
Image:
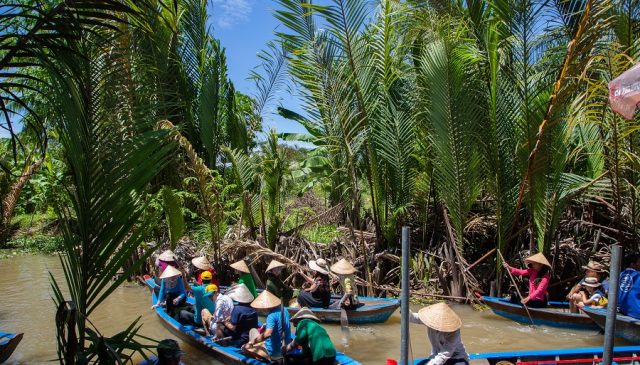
(26, 306)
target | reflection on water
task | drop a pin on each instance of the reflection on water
(27, 307)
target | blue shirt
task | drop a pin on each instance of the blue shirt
(274, 342)
(629, 295)
(202, 301)
(244, 318)
(164, 290)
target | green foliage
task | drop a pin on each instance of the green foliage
(38, 243)
(173, 213)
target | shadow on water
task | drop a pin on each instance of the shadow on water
(27, 307)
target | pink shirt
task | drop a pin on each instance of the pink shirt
(536, 291)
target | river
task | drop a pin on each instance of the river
(26, 306)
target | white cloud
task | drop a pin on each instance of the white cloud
(227, 13)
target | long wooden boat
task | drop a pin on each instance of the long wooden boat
(623, 355)
(627, 328)
(555, 315)
(226, 354)
(8, 343)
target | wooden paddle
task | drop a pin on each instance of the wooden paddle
(517, 289)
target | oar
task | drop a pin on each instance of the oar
(517, 289)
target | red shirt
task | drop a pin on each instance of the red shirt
(537, 290)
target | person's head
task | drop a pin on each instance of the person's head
(206, 277)
(169, 352)
(266, 301)
(240, 294)
(594, 270)
(240, 267)
(591, 284)
(632, 261)
(275, 268)
(538, 262)
(440, 317)
(343, 267)
(211, 291)
(303, 313)
(319, 266)
(171, 276)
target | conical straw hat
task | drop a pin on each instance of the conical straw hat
(241, 266)
(440, 317)
(303, 313)
(343, 267)
(167, 255)
(170, 272)
(274, 264)
(266, 300)
(201, 263)
(319, 265)
(240, 293)
(539, 258)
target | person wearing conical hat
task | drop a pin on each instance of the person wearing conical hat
(443, 331)
(243, 317)
(244, 276)
(166, 258)
(269, 341)
(275, 285)
(172, 294)
(318, 293)
(313, 338)
(539, 274)
(345, 271)
(592, 269)
(592, 296)
(202, 265)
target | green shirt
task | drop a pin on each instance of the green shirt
(278, 288)
(247, 280)
(314, 339)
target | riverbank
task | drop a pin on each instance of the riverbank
(31, 311)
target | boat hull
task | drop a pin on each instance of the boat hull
(374, 310)
(541, 316)
(226, 354)
(622, 355)
(8, 343)
(627, 328)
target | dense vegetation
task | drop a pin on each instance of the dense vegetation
(480, 124)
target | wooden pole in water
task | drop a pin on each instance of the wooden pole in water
(612, 305)
(404, 299)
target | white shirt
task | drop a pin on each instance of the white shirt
(444, 345)
(224, 307)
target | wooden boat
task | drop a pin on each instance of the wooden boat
(623, 355)
(226, 354)
(555, 315)
(627, 328)
(373, 310)
(8, 343)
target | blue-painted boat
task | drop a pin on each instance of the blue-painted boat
(627, 328)
(226, 354)
(622, 355)
(8, 343)
(557, 314)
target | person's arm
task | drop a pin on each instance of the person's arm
(518, 272)
(185, 282)
(161, 295)
(440, 357)
(593, 300)
(261, 337)
(314, 286)
(413, 318)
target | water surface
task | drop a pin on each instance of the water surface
(26, 306)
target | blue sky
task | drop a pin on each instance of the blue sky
(244, 27)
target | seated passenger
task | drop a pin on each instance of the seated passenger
(316, 344)
(166, 258)
(202, 265)
(202, 301)
(268, 344)
(629, 295)
(443, 331)
(318, 294)
(539, 276)
(592, 270)
(592, 297)
(172, 294)
(243, 317)
(345, 271)
(244, 276)
(223, 308)
(275, 285)
(169, 353)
